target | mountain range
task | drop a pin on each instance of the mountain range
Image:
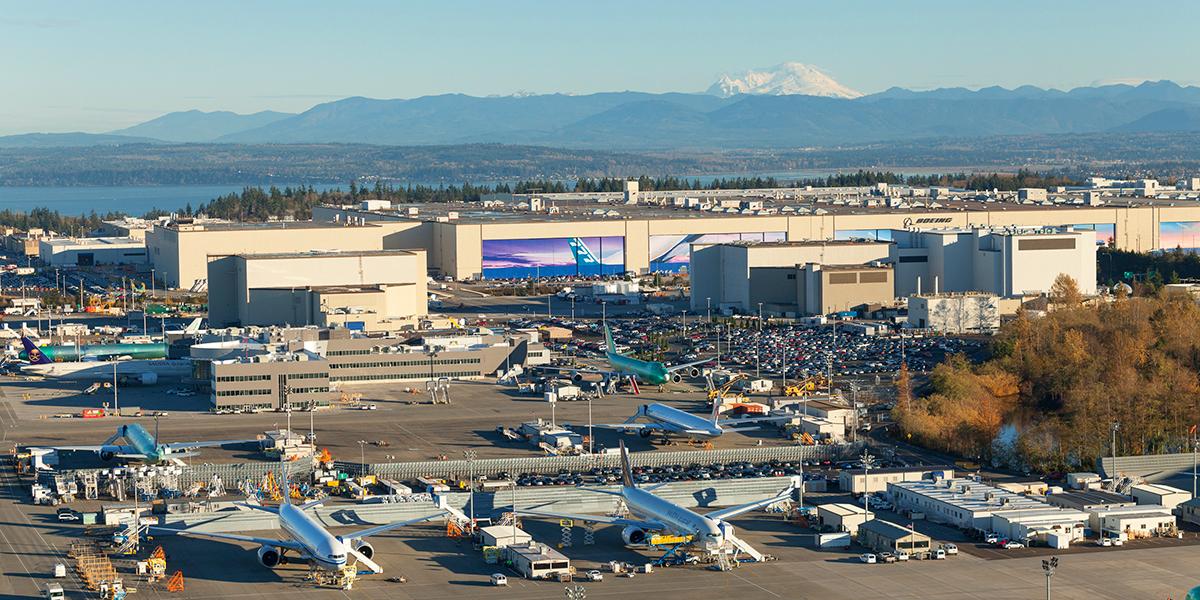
(788, 106)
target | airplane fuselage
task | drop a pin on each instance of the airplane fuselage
(681, 422)
(679, 520)
(646, 371)
(320, 546)
(99, 352)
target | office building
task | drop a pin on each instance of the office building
(955, 312)
(788, 276)
(314, 368)
(1002, 261)
(378, 290)
(963, 503)
(1090, 500)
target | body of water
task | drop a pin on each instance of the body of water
(138, 200)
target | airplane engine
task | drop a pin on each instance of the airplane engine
(633, 536)
(577, 377)
(676, 377)
(645, 433)
(269, 556)
(364, 548)
(106, 455)
(147, 378)
(694, 372)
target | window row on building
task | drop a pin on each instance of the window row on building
(406, 363)
(224, 378)
(397, 376)
(224, 393)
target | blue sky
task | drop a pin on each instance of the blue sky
(98, 66)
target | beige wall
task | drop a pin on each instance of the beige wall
(837, 297)
(456, 247)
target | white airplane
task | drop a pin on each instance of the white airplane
(670, 420)
(309, 539)
(651, 514)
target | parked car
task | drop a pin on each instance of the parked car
(991, 538)
(902, 556)
(499, 579)
(868, 558)
(1012, 545)
(887, 557)
(950, 549)
(939, 554)
(595, 575)
(69, 515)
(1105, 542)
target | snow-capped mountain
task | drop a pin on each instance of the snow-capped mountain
(781, 80)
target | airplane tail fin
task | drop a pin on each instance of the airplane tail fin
(31, 350)
(608, 340)
(626, 470)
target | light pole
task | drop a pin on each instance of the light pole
(1048, 567)
(591, 438)
(866, 462)
(1116, 426)
(758, 346)
(362, 458)
(470, 456)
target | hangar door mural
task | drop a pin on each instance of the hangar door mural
(550, 257)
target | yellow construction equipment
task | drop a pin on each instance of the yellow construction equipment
(807, 386)
(723, 392)
(669, 540)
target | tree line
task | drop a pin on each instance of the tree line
(1055, 385)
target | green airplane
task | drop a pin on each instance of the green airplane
(647, 371)
(52, 354)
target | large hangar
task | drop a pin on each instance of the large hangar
(572, 234)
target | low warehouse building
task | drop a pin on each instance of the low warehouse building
(86, 252)
(963, 503)
(538, 561)
(1052, 525)
(501, 536)
(842, 517)
(1089, 500)
(1160, 495)
(883, 536)
(859, 481)
(1135, 523)
(1190, 511)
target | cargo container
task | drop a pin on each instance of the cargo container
(92, 413)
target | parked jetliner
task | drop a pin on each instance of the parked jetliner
(646, 371)
(671, 420)
(309, 540)
(651, 514)
(141, 446)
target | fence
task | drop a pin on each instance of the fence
(183, 477)
(1149, 466)
(452, 469)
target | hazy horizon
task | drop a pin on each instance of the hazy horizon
(81, 66)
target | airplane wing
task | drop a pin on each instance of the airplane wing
(176, 446)
(733, 511)
(628, 426)
(673, 368)
(382, 528)
(113, 449)
(605, 519)
(289, 544)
